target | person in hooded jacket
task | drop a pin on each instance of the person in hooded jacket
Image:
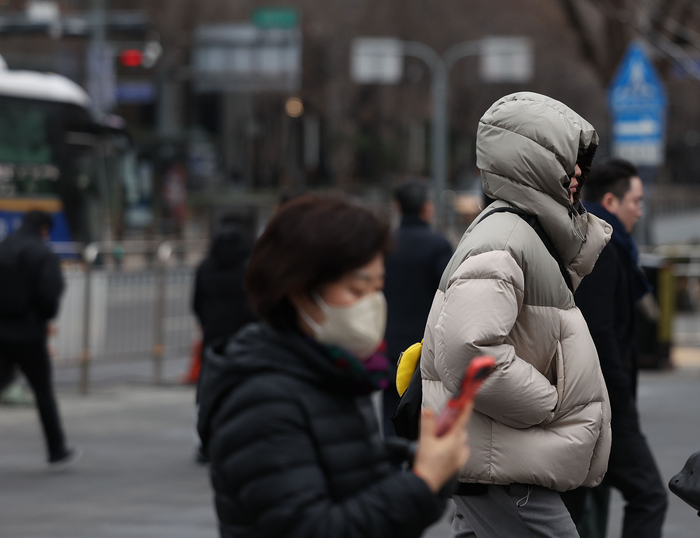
(285, 410)
(31, 285)
(220, 300)
(541, 422)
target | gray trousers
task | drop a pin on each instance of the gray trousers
(515, 511)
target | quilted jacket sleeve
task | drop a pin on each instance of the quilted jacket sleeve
(268, 478)
(481, 304)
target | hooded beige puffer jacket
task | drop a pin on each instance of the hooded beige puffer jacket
(543, 417)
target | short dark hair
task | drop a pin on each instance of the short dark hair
(412, 196)
(311, 240)
(612, 176)
(35, 220)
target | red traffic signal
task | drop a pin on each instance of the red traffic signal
(131, 58)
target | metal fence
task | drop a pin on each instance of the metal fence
(126, 301)
(133, 301)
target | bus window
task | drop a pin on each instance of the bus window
(27, 164)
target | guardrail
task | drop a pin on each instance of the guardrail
(126, 300)
(133, 300)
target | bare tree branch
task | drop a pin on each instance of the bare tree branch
(587, 40)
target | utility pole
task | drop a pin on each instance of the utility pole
(99, 22)
(378, 61)
(99, 60)
(440, 67)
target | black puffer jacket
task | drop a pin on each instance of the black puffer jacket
(295, 452)
(31, 284)
(220, 301)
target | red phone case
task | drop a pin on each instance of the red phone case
(475, 374)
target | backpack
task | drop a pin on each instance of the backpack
(406, 417)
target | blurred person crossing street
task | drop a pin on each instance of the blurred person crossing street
(31, 285)
(608, 298)
(413, 271)
(220, 301)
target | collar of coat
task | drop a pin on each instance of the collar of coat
(624, 240)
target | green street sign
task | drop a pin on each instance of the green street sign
(275, 17)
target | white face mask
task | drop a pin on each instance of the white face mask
(358, 328)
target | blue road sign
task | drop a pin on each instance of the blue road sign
(136, 92)
(637, 101)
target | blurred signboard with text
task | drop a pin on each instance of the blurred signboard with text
(275, 17)
(246, 58)
(506, 59)
(376, 60)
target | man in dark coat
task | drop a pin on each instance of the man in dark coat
(220, 300)
(413, 272)
(31, 285)
(607, 298)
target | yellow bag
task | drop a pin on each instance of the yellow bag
(408, 361)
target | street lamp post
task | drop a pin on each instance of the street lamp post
(378, 60)
(99, 34)
(440, 67)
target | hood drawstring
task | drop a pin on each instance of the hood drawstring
(575, 225)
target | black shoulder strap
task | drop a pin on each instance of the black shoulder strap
(534, 222)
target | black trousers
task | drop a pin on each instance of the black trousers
(33, 361)
(631, 470)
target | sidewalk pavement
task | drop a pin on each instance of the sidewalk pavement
(138, 478)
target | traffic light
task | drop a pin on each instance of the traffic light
(131, 58)
(146, 58)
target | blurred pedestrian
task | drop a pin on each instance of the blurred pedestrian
(541, 422)
(285, 412)
(413, 272)
(31, 285)
(220, 300)
(607, 299)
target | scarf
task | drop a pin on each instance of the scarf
(624, 240)
(369, 375)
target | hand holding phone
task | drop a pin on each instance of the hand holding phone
(475, 374)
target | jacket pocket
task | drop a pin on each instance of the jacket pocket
(560, 377)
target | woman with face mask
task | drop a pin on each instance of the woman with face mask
(287, 421)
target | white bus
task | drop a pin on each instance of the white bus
(56, 156)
